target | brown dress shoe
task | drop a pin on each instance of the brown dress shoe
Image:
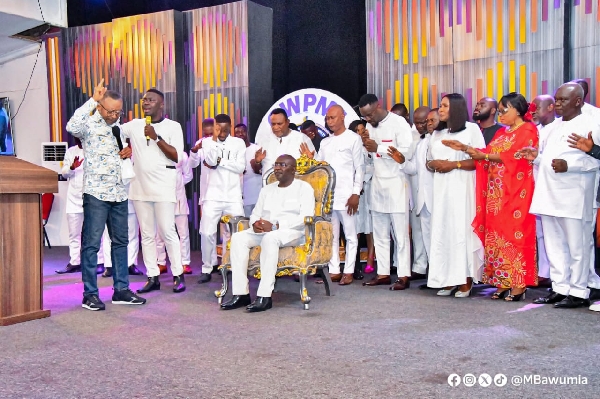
(400, 284)
(347, 279)
(379, 280)
(336, 277)
(162, 268)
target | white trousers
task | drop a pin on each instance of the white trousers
(75, 224)
(183, 231)
(270, 242)
(418, 244)
(211, 214)
(543, 262)
(568, 252)
(161, 215)
(349, 224)
(425, 218)
(133, 233)
(593, 278)
(398, 222)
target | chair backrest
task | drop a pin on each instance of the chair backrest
(47, 201)
(321, 177)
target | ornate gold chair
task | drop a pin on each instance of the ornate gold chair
(315, 253)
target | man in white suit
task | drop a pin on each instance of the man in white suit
(390, 143)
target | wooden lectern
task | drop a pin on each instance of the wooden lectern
(21, 185)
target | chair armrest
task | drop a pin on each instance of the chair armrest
(234, 222)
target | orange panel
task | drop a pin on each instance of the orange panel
(479, 20)
(499, 27)
(77, 66)
(58, 92)
(434, 96)
(432, 24)
(534, 15)
(598, 78)
(232, 114)
(388, 99)
(415, 32)
(534, 85)
(423, 11)
(396, 21)
(479, 91)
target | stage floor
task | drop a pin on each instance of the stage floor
(365, 342)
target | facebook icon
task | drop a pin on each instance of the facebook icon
(454, 380)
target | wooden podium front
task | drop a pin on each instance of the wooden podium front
(21, 185)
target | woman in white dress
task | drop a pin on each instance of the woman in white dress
(456, 259)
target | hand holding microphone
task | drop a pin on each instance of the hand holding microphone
(149, 131)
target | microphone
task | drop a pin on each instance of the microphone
(148, 122)
(116, 131)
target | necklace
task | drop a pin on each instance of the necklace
(515, 128)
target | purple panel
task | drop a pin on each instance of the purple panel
(575, 3)
(459, 8)
(371, 26)
(557, 3)
(245, 120)
(544, 10)
(469, 98)
(588, 6)
(243, 44)
(544, 87)
(450, 12)
(469, 17)
(379, 23)
(442, 17)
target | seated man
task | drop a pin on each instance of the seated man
(277, 221)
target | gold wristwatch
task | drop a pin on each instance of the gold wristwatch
(458, 165)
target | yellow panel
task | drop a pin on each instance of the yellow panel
(136, 111)
(425, 90)
(205, 108)
(500, 81)
(490, 83)
(225, 104)
(219, 103)
(512, 76)
(523, 80)
(406, 92)
(397, 91)
(415, 91)
(212, 105)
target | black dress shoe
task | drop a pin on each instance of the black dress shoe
(100, 268)
(552, 298)
(425, 287)
(204, 278)
(152, 284)
(572, 302)
(237, 301)
(107, 272)
(134, 271)
(69, 269)
(260, 304)
(178, 283)
(594, 294)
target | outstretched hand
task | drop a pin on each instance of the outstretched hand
(455, 145)
(305, 150)
(580, 142)
(528, 153)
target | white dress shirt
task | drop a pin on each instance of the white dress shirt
(276, 146)
(344, 152)
(224, 183)
(75, 176)
(252, 181)
(184, 176)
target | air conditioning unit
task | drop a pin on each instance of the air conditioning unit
(53, 155)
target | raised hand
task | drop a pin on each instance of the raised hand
(455, 145)
(396, 155)
(475, 153)
(76, 163)
(304, 150)
(259, 155)
(197, 147)
(99, 91)
(528, 153)
(581, 143)
(216, 132)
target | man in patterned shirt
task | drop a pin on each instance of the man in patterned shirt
(96, 124)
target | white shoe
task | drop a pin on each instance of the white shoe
(462, 294)
(595, 307)
(445, 292)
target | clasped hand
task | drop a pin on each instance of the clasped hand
(262, 226)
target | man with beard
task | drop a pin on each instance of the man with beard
(563, 197)
(277, 221)
(485, 116)
(157, 148)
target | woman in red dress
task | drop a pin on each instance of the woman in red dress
(504, 191)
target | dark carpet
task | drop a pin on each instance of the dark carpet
(365, 342)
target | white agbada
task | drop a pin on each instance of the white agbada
(197, 159)
(364, 224)
(287, 206)
(421, 184)
(276, 146)
(390, 193)
(344, 153)
(565, 202)
(456, 251)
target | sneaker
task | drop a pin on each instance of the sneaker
(595, 307)
(127, 297)
(92, 302)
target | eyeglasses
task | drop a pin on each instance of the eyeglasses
(504, 111)
(281, 164)
(114, 112)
